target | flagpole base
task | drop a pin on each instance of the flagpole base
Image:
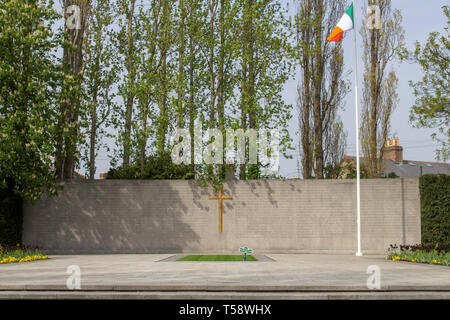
(359, 254)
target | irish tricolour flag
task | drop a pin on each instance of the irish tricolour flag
(345, 24)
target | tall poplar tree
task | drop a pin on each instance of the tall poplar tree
(322, 88)
(265, 34)
(165, 76)
(381, 45)
(75, 18)
(100, 72)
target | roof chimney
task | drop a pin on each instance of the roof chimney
(392, 151)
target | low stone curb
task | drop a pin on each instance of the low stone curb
(193, 295)
(224, 288)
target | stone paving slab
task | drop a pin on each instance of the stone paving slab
(289, 274)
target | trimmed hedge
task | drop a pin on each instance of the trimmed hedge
(11, 217)
(435, 208)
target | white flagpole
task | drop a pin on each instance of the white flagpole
(358, 189)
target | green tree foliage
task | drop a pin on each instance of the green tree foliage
(432, 106)
(29, 79)
(171, 62)
(392, 175)
(157, 166)
(206, 61)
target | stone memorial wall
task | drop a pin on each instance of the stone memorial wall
(156, 216)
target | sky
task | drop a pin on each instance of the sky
(419, 19)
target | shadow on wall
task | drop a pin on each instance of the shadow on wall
(259, 190)
(111, 216)
(260, 185)
(199, 193)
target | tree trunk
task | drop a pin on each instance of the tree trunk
(163, 107)
(180, 108)
(306, 112)
(373, 106)
(305, 101)
(144, 108)
(131, 78)
(163, 112)
(73, 57)
(245, 78)
(212, 77)
(192, 109)
(317, 83)
(220, 85)
(93, 135)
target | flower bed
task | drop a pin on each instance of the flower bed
(420, 254)
(18, 254)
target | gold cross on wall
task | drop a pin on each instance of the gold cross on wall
(220, 198)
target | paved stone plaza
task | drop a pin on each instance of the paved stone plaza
(290, 276)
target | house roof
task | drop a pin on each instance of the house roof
(78, 175)
(409, 168)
